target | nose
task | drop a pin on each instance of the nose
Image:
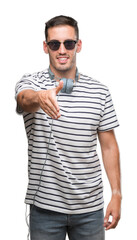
(62, 49)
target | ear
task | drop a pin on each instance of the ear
(45, 47)
(79, 46)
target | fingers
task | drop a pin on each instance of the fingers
(110, 224)
(48, 102)
(52, 107)
(51, 110)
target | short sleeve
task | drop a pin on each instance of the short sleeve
(108, 119)
(28, 81)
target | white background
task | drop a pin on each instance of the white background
(108, 30)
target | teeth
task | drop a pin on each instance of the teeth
(62, 58)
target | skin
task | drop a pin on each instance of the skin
(111, 160)
(63, 64)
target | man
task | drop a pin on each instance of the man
(64, 111)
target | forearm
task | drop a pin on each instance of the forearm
(111, 161)
(31, 101)
(28, 100)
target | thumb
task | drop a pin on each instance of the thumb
(106, 218)
(59, 87)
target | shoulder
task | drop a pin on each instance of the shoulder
(37, 75)
(35, 81)
(93, 83)
(39, 79)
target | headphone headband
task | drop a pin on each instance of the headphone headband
(52, 76)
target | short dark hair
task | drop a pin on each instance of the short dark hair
(61, 20)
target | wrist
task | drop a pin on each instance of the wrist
(37, 97)
(116, 192)
(31, 103)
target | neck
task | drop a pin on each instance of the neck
(69, 73)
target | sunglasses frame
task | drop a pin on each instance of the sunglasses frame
(56, 41)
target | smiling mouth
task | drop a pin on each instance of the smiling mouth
(62, 59)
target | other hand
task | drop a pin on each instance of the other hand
(114, 210)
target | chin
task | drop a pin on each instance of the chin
(63, 68)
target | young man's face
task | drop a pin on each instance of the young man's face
(62, 59)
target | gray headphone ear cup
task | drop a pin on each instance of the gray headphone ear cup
(63, 90)
(67, 85)
(70, 85)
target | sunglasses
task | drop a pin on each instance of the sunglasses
(54, 45)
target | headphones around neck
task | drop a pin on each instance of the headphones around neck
(67, 82)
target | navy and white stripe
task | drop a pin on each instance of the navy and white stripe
(71, 180)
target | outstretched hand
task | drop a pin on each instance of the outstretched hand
(48, 101)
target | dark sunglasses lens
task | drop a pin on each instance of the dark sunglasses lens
(69, 45)
(54, 45)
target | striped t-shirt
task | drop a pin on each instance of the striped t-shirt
(63, 166)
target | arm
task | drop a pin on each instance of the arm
(30, 100)
(110, 154)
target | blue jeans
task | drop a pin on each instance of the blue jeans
(49, 225)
